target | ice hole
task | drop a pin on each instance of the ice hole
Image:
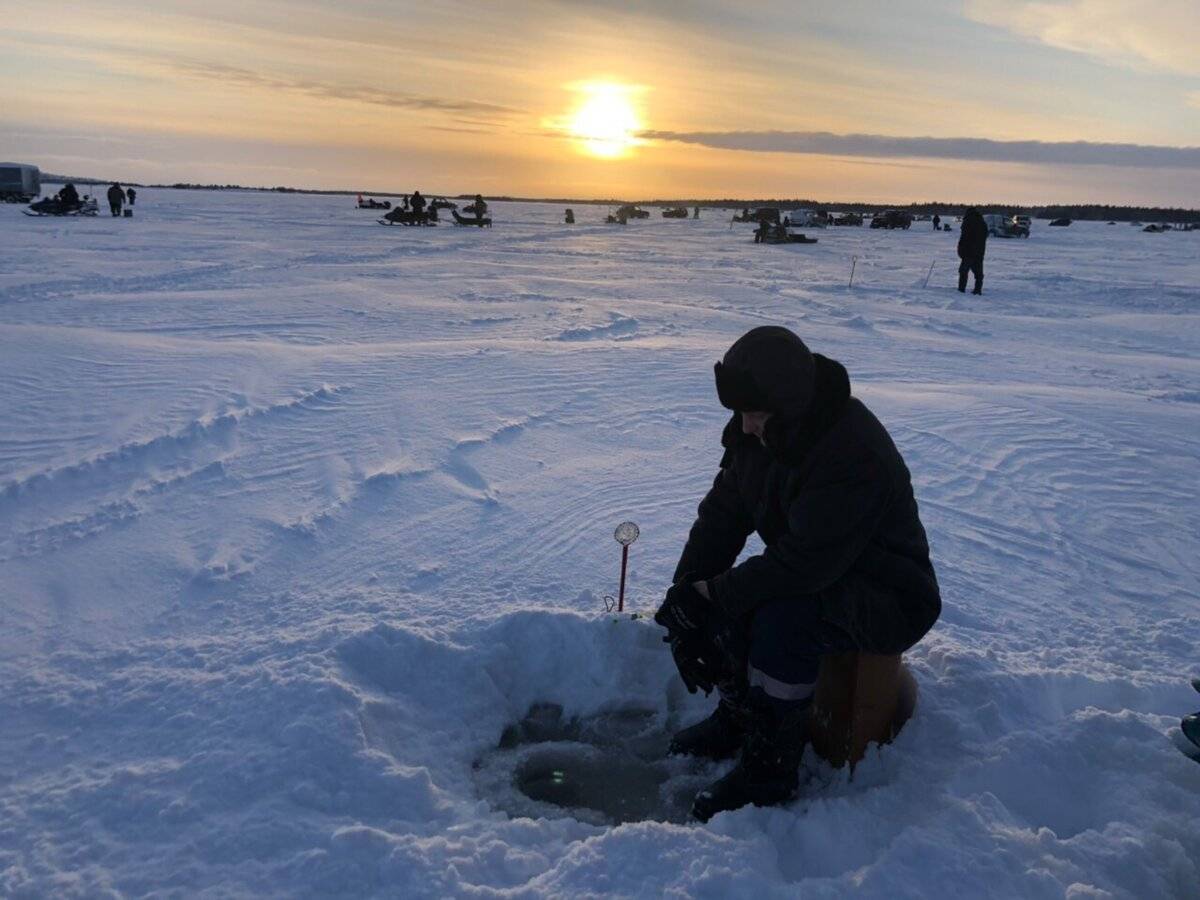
(604, 769)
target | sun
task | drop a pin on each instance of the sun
(606, 122)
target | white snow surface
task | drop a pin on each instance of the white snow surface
(297, 513)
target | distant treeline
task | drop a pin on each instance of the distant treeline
(1083, 211)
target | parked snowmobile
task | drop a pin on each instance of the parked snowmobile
(677, 213)
(372, 203)
(776, 233)
(52, 206)
(442, 203)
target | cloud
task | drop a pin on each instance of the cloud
(1084, 153)
(1161, 36)
(323, 90)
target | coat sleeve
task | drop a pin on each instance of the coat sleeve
(830, 523)
(720, 530)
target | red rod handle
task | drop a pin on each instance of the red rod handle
(621, 595)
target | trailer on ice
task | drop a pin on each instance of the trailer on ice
(19, 182)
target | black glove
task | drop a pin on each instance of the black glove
(685, 614)
(697, 661)
(685, 611)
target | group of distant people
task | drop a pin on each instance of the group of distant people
(415, 209)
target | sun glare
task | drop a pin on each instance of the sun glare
(606, 123)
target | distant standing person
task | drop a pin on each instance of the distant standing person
(971, 246)
(116, 199)
(417, 204)
(937, 222)
(478, 207)
(131, 194)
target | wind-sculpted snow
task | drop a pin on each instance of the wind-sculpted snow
(299, 514)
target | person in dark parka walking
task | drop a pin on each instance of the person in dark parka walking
(845, 566)
(971, 246)
(116, 199)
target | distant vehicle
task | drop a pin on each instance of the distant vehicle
(892, 218)
(442, 203)
(808, 218)
(629, 211)
(848, 219)
(763, 214)
(1061, 223)
(19, 183)
(1025, 222)
(677, 213)
(1005, 226)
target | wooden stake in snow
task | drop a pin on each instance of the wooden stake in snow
(853, 263)
(930, 272)
(626, 534)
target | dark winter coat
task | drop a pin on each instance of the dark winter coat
(832, 500)
(973, 241)
(116, 196)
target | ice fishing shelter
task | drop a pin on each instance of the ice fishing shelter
(19, 183)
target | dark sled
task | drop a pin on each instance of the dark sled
(1060, 223)
(480, 221)
(678, 213)
(787, 239)
(408, 217)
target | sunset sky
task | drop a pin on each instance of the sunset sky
(958, 100)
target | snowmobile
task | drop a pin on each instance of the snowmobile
(774, 233)
(372, 203)
(442, 203)
(633, 212)
(52, 206)
(677, 213)
(481, 221)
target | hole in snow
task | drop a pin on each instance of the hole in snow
(603, 769)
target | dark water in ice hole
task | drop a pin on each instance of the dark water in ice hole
(607, 768)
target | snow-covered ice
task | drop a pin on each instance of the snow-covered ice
(299, 513)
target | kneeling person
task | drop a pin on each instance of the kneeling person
(845, 567)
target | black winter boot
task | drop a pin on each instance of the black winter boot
(720, 736)
(766, 774)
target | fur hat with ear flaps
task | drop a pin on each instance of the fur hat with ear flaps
(768, 369)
